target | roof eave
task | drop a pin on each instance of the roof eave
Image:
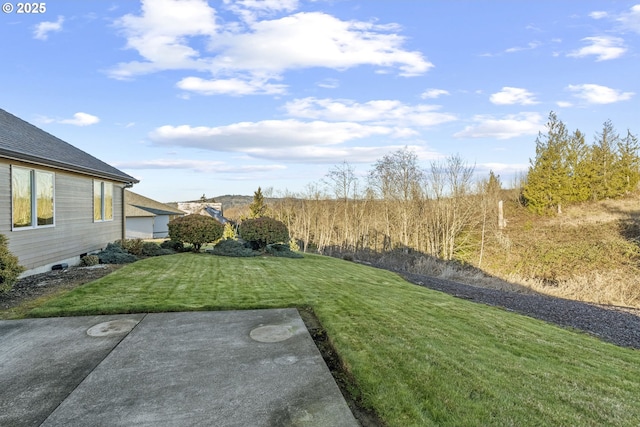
(12, 155)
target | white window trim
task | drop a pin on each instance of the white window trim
(102, 201)
(34, 199)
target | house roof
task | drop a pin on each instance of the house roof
(137, 205)
(23, 141)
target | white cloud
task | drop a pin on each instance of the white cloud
(232, 86)
(386, 112)
(314, 39)
(331, 154)
(81, 119)
(433, 93)
(257, 51)
(270, 134)
(42, 30)
(513, 95)
(503, 168)
(514, 49)
(266, 5)
(529, 46)
(329, 83)
(510, 126)
(564, 104)
(250, 10)
(160, 35)
(603, 47)
(598, 14)
(206, 166)
(631, 20)
(596, 94)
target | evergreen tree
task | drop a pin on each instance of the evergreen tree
(257, 208)
(579, 168)
(229, 232)
(548, 180)
(627, 166)
(603, 159)
(492, 188)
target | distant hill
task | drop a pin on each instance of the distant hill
(230, 201)
(233, 200)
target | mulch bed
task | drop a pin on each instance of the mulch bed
(43, 284)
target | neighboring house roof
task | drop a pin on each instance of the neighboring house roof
(137, 205)
(205, 208)
(23, 141)
(216, 214)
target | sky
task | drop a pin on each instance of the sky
(197, 97)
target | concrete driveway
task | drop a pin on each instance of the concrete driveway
(225, 368)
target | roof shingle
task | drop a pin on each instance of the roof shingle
(20, 140)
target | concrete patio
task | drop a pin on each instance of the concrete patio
(231, 368)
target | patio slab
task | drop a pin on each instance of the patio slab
(231, 368)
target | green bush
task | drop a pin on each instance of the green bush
(154, 249)
(264, 231)
(89, 260)
(195, 229)
(133, 246)
(10, 267)
(172, 245)
(234, 248)
(115, 254)
(282, 250)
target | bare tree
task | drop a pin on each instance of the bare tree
(343, 181)
(450, 208)
(397, 179)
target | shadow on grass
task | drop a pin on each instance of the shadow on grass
(617, 325)
(345, 380)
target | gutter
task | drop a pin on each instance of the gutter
(124, 206)
(12, 155)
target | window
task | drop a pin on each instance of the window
(32, 198)
(102, 201)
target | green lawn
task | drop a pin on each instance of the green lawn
(419, 357)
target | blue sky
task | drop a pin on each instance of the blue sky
(219, 97)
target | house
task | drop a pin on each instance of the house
(205, 208)
(57, 202)
(147, 218)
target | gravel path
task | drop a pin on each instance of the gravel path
(618, 325)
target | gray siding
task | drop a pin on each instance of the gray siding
(161, 226)
(140, 227)
(74, 232)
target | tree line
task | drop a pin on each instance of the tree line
(398, 205)
(441, 209)
(566, 169)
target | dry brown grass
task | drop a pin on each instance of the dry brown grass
(591, 252)
(617, 287)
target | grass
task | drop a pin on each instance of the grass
(419, 357)
(591, 252)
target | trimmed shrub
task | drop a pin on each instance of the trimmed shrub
(115, 254)
(230, 247)
(264, 231)
(133, 246)
(89, 260)
(172, 245)
(10, 267)
(196, 230)
(282, 250)
(153, 249)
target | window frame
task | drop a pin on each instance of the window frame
(103, 185)
(33, 198)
